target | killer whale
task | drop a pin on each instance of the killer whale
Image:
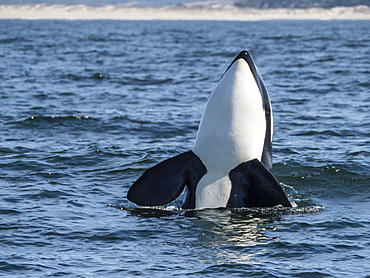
(230, 163)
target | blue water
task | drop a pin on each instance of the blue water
(87, 106)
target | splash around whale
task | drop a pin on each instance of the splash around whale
(230, 163)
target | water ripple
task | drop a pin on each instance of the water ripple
(90, 105)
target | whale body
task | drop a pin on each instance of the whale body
(230, 163)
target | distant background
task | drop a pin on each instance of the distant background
(260, 4)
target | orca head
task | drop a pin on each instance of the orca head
(233, 127)
(247, 57)
(267, 149)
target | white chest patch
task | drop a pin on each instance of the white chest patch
(232, 131)
(213, 191)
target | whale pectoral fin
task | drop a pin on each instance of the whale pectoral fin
(164, 182)
(254, 186)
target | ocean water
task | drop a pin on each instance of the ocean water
(87, 106)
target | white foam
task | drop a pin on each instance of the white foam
(119, 12)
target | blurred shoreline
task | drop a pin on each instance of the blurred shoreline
(119, 12)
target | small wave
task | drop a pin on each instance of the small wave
(94, 76)
(70, 124)
(48, 194)
(147, 80)
(13, 40)
(8, 211)
(326, 133)
(38, 119)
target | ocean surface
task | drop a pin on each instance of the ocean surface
(87, 106)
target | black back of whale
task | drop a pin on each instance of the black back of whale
(253, 185)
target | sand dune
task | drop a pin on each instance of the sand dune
(83, 12)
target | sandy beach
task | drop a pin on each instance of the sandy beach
(82, 12)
